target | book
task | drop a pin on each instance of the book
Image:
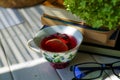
(49, 20)
(110, 49)
(100, 36)
(102, 50)
(110, 43)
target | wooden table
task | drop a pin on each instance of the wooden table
(18, 62)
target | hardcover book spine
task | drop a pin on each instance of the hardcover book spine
(100, 51)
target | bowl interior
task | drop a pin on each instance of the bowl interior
(58, 29)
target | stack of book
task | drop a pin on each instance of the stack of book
(94, 43)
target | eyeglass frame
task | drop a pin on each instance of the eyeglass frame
(102, 68)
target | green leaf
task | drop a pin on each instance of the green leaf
(96, 13)
(97, 24)
(100, 1)
(114, 2)
(83, 4)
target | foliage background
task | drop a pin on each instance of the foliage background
(96, 13)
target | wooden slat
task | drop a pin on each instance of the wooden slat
(27, 16)
(3, 61)
(22, 61)
(4, 37)
(10, 48)
(17, 40)
(35, 16)
(7, 16)
(5, 73)
(25, 36)
(3, 19)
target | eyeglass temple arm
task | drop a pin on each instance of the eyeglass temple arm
(91, 69)
(86, 68)
(95, 68)
(99, 68)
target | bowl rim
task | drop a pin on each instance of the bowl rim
(75, 48)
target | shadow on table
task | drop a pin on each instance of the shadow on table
(38, 69)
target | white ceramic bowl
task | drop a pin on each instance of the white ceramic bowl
(57, 57)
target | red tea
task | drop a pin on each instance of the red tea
(58, 42)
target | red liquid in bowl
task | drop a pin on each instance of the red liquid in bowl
(58, 42)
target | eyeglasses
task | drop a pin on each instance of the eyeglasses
(93, 70)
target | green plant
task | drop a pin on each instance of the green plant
(96, 13)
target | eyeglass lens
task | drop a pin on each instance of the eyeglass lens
(84, 71)
(116, 68)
